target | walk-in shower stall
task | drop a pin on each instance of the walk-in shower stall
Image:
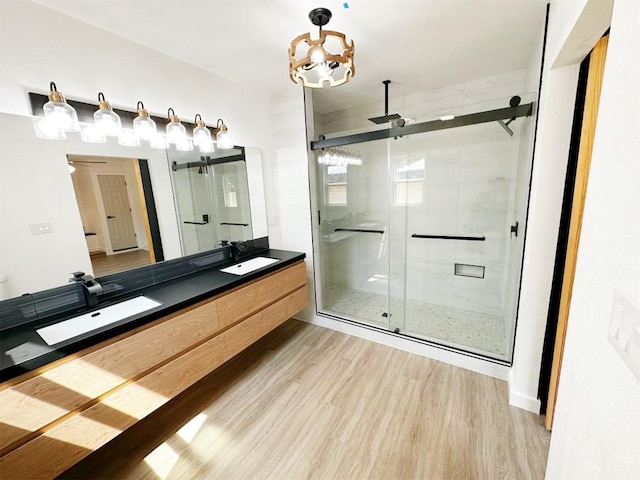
(420, 227)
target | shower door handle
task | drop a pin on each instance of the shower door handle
(359, 230)
(450, 237)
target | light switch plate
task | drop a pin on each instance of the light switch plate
(40, 228)
(624, 330)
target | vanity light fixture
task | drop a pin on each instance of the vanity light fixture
(159, 141)
(176, 133)
(202, 135)
(128, 138)
(106, 119)
(91, 133)
(223, 137)
(312, 64)
(143, 125)
(59, 112)
(47, 130)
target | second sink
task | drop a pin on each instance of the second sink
(249, 266)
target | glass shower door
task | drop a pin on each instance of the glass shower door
(195, 208)
(457, 234)
(355, 238)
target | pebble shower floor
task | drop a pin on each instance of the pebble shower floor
(464, 328)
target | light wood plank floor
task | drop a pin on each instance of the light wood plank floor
(104, 264)
(307, 402)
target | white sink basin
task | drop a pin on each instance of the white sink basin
(76, 326)
(249, 266)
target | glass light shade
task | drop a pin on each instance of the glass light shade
(158, 141)
(47, 129)
(108, 121)
(128, 138)
(90, 133)
(206, 148)
(185, 145)
(224, 140)
(176, 133)
(143, 125)
(201, 137)
(62, 115)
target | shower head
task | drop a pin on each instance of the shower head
(513, 102)
(386, 117)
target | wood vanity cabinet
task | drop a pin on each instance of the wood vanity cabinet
(52, 418)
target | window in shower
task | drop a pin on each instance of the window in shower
(409, 182)
(336, 184)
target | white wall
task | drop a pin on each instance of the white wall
(574, 27)
(596, 431)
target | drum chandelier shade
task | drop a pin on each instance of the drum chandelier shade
(328, 60)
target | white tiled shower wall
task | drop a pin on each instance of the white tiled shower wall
(470, 177)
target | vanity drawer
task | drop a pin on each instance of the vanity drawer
(70, 386)
(241, 303)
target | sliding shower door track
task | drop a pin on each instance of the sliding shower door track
(359, 323)
(430, 126)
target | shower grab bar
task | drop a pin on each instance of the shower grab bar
(237, 224)
(360, 230)
(450, 237)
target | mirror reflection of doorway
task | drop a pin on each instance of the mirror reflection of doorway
(112, 208)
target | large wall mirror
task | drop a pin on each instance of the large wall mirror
(67, 205)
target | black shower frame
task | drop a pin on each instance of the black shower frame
(410, 129)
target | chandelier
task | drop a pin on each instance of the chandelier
(329, 59)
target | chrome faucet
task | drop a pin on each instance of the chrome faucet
(91, 287)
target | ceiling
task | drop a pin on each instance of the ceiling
(418, 44)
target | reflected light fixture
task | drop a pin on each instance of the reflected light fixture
(311, 61)
(143, 125)
(176, 133)
(201, 135)
(128, 138)
(106, 119)
(57, 111)
(91, 133)
(223, 137)
(47, 130)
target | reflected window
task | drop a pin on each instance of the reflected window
(336, 183)
(409, 182)
(229, 190)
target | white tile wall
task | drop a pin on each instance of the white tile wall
(470, 177)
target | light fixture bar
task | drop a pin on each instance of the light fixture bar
(430, 126)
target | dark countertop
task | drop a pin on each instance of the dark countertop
(24, 350)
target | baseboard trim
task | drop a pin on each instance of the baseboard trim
(522, 401)
(452, 358)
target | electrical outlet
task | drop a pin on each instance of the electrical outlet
(40, 228)
(624, 330)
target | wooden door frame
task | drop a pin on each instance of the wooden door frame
(587, 134)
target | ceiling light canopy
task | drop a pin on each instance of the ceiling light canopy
(317, 62)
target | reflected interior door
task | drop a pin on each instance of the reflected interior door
(115, 199)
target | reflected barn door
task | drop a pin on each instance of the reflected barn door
(118, 211)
